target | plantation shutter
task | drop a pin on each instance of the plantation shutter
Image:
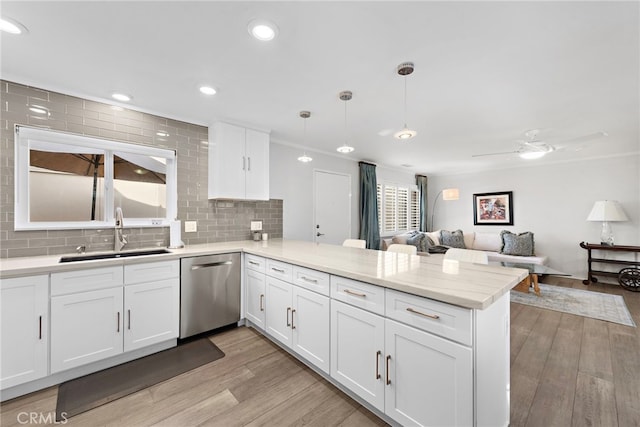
(390, 204)
(415, 210)
(403, 209)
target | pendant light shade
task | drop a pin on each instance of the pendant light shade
(304, 158)
(345, 148)
(405, 134)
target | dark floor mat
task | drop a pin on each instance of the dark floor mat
(88, 392)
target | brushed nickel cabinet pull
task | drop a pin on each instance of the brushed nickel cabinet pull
(430, 316)
(249, 164)
(243, 163)
(129, 321)
(292, 325)
(358, 294)
(378, 353)
(261, 302)
(288, 311)
(254, 263)
(118, 324)
(40, 327)
(388, 379)
(306, 279)
(279, 270)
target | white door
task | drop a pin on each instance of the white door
(255, 294)
(332, 207)
(310, 325)
(429, 379)
(278, 310)
(152, 313)
(228, 162)
(85, 327)
(257, 173)
(25, 316)
(357, 352)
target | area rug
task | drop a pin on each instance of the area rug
(576, 301)
(93, 390)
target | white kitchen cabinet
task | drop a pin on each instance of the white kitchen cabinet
(25, 318)
(85, 327)
(429, 380)
(152, 313)
(255, 297)
(238, 163)
(357, 352)
(299, 319)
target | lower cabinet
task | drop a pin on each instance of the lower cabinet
(24, 316)
(255, 297)
(299, 319)
(414, 377)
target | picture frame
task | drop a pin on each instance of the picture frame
(493, 208)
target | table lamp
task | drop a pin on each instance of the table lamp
(607, 211)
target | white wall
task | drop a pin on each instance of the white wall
(553, 202)
(292, 181)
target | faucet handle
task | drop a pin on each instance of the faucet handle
(81, 249)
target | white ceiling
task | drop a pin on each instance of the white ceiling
(485, 72)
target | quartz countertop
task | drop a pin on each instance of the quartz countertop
(472, 286)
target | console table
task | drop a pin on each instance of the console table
(616, 248)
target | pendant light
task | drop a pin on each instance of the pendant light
(345, 96)
(405, 69)
(304, 158)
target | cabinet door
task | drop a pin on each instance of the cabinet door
(152, 313)
(278, 310)
(85, 327)
(429, 379)
(255, 297)
(227, 161)
(25, 316)
(257, 176)
(310, 326)
(357, 351)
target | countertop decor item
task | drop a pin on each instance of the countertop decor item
(606, 211)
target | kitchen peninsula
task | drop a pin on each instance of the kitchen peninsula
(394, 331)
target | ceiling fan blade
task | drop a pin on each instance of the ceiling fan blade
(584, 138)
(494, 154)
(385, 132)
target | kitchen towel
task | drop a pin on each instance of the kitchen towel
(175, 229)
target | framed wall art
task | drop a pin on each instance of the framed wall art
(493, 208)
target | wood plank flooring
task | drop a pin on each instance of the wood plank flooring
(566, 370)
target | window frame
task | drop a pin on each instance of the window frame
(412, 196)
(26, 137)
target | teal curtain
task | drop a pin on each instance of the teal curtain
(421, 181)
(369, 227)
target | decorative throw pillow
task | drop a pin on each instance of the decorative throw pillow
(453, 239)
(517, 244)
(421, 241)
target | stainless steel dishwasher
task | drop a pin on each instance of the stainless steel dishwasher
(209, 293)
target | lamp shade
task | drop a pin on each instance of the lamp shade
(607, 210)
(450, 194)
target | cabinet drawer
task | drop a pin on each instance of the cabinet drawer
(254, 263)
(359, 294)
(280, 270)
(448, 321)
(69, 282)
(151, 271)
(313, 280)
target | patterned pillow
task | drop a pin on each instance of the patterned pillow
(421, 241)
(517, 244)
(453, 239)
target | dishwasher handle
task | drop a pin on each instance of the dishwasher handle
(211, 264)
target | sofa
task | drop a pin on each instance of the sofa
(491, 243)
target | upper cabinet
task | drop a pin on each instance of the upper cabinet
(238, 163)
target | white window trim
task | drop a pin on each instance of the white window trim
(26, 137)
(381, 213)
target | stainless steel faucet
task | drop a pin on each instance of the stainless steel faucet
(120, 239)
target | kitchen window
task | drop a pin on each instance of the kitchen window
(398, 208)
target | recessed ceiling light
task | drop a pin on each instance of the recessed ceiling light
(12, 27)
(263, 30)
(207, 90)
(121, 97)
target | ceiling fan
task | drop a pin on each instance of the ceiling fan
(534, 148)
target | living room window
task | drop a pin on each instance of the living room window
(398, 208)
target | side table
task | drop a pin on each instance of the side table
(615, 248)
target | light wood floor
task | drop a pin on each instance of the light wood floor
(566, 370)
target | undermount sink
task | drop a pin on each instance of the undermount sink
(110, 255)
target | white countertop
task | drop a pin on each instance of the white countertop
(473, 286)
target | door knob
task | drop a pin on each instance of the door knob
(318, 234)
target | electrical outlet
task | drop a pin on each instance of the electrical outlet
(156, 222)
(190, 226)
(256, 225)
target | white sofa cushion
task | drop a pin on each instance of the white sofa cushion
(487, 242)
(496, 256)
(469, 238)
